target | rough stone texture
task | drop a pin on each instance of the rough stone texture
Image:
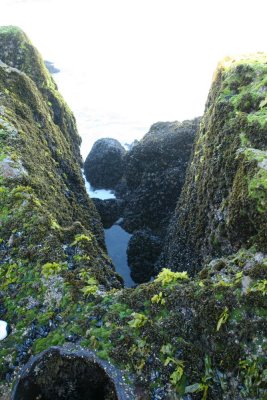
(155, 172)
(17, 51)
(72, 374)
(179, 337)
(143, 251)
(103, 166)
(188, 338)
(109, 210)
(223, 205)
(52, 251)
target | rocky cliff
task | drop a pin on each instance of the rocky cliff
(223, 205)
(178, 337)
(52, 251)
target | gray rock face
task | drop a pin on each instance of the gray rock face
(103, 166)
(70, 374)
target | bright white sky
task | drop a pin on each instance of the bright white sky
(152, 59)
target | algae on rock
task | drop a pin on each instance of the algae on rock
(202, 337)
(223, 205)
(51, 237)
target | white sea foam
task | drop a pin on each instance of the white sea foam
(102, 194)
(3, 330)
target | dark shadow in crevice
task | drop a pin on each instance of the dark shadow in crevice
(60, 374)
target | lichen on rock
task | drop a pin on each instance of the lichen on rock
(51, 237)
(201, 337)
(223, 205)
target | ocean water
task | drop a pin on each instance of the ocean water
(96, 122)
(102, 194)
(122, 66)
(125, 65)
(117, 240)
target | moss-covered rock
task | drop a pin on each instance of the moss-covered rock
(223, 205)
(52, 253)
(204, 338)
(179, 337)
(17, 51)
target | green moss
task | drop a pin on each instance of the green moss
(53, 339)
(201, 334)
(223, 203)
(258, 190)
(40, 169)
(50, 269)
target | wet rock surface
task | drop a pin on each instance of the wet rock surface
(109, 210)
(178, 336)
(103, 166)
(143, 251)
(71, 374)
(155, 172)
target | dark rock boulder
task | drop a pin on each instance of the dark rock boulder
(103, 166)
(109, 210)
(155, 172)
(66, 373)
(143, 251)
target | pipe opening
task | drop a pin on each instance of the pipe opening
(65, 376)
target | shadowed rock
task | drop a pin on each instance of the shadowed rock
(103, 166)
(109, 210)
(155, 172)
(143, 250)
(223, 205)
(70, 374)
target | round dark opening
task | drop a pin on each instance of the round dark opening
(65, 376)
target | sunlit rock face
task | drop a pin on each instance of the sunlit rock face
(51, 236)
(17, 51)
(103, 166)
(61, 373)
(223, 205)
